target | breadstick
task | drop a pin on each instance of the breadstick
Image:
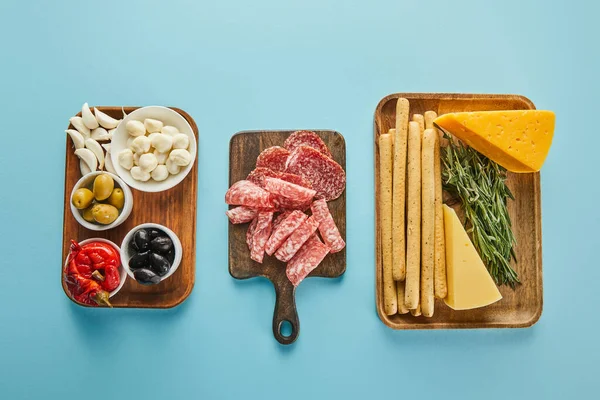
(427, 221)
(440, 284)
(390, 302)
(421, 120)
(417, 311)
(401, 306)
(413, 220)
(429, 116)
(399, 193)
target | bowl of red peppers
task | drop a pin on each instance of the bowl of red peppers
(93, 272)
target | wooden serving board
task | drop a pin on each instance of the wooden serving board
(518, 308)
(174, 208)
(244, 148)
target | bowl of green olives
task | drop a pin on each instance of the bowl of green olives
(151, 253)
(101, 200)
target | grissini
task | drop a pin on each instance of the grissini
(427, 221)
(421, 120)
(440, 279)
(413, 220)
(399, 192)
(390, 302)
(429, 116)
(402, 309)
(417, 311)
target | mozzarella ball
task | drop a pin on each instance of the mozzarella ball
(139, 174)
(152, 125)
(148, 162)
(140, 144)
(161, 157)
(172, 167)
(126, 159)
(180, 157)
(136, 158)
(129, 141)
(162, 142)
(169, 130)
(160, 173)
(135, 128)
(152, 135)
(181, 141)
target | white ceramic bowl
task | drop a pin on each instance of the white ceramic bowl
(122, 272)
(86, 181)
(167, 117)
(126, 252)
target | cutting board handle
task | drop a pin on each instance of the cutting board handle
(285, 310)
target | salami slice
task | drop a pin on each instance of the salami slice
(258, 176)
(241, 215)
(273, 158)
(280, 218)
(246, 193)
(293, 243)
(261, 235)
(326, 176)
(329, 231)
(291, 191)
(306, 260)
(306, 138)
(250, 233)
(283, 230)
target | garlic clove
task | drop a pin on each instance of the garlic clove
(77, 138)
(100, 134)
(108, 165)
(105, 120)
(153, 125)
(106, 147)
(126, 159)
(111, 133)
(160, 173)
(124, 113)
(83, 168)
(135, 128)
(88, 118)
(97, 150)
(78, 124)
(87, 156)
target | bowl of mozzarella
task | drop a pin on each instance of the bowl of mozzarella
(153, 149)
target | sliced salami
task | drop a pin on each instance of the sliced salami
(258, 176)
(261, 235)
(326, 176)
(306, 138)
(246, 193)
(241, 215)
(280, 218)
(306, 260)
(283, 230)
(250, 233)
(273, 158)
(291, 191)
(293, 243)
(329, 231)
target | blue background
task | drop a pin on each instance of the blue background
(276, 65)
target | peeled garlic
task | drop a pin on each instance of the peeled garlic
(181, 141)
(108, 165)
(88, 118)
(100, 134)
(106, 147)
(161, 157)
(153, 125)
(88, 157)
(172, 167)
(169, 130)
(97, 150)
(110, 133)
(77, 138)
(160, 173)
(78, 124)
(83, 168)
(180, 157)
(124, 113)
(135, 128)
(139, 175)
(140, 144)
(148, 162)
(162, 142)
(105, 121)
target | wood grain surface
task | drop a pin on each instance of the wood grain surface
(244, 148)
(518, 308)
(174, 208)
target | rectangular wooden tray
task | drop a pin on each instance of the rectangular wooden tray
(244, 148)
(520, 307)
(174, 208)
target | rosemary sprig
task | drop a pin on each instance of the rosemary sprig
(480, 185)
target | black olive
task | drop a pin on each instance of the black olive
(159, 264)
(171, 256)
(139, 260)
(154, 233)
(146, 277)
(162, 244)
(141, 240)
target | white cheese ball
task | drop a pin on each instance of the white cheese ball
(169, 130)
(136, 158)
(152, 125)
(160, 173)
(180, 157)
(129, 141)
(161, 157)
(148, 162)
(125, 158)
(140, 144)
(152, 135)
(135, 128)
(172, 167)
(181, 141)
(162, 142)
(139, 174)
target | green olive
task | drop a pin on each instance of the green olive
(103, 186)
(82, 198)
(116, 198)
(88, 215)
(104, 213)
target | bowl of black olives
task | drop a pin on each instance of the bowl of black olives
(151, 253)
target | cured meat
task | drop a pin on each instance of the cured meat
(283, 230)
(273, 158)
(306, 260)
(258, 176)
(261, 235)
(326, 176)
(250, 233)
(280, 218)
(246, 193)
(329, 231)
(293, 243)
(306, 138)
(241, 215)
(293, 192)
